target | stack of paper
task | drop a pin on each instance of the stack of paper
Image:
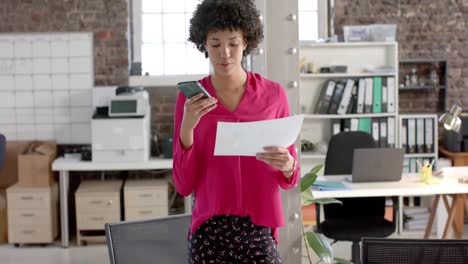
(416, 218)
(329, 186)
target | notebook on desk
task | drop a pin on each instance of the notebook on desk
(377, 165)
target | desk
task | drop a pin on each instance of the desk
(458, 158)
(64, 166)
(411, 186)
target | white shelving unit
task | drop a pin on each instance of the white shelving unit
(362, 60)
(359, 57)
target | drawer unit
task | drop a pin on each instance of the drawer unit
(31, 234)
(97, 203)
(135, 213)
(105, 203)
(96, 221)
(22, 198)
(29, 217)
(145, 199)
(32, 214)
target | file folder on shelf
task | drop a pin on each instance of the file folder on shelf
(361, 95)
(324, 100)
(411, 139)
(391, 94)
(377, 95)
(346, 98)
(420, 135)
(429, 135)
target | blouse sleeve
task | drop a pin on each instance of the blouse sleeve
(283, 111)
(184, 166)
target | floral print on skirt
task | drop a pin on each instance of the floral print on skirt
(232, 239)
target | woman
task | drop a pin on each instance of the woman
(237, 206)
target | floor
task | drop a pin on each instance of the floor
(91, 254)
(97, 254)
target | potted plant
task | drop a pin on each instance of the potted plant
(317, 242)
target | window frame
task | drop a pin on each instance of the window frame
(322, 19)
(136, 18)
(135, 43)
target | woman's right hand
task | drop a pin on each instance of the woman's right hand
(194, 109)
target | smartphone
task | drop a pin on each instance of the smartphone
(192, 88)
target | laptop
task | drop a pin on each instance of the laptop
(377, 165)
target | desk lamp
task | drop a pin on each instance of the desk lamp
(452, 120)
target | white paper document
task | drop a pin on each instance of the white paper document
(249, 138)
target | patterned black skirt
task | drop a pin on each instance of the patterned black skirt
(232, 239)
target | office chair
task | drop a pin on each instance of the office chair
(355, 217)
(160, 240)
(427, 251)
(2, 150)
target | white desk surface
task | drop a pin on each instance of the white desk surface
(410, 185)
(62, 164)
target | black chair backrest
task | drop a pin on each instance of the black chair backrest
(160, 240)
(339, 160)
(2, 150)
(427, 251)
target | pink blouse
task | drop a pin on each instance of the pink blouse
(234, 185)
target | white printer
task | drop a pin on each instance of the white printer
(121, 125)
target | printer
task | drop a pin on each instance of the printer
(120, 127)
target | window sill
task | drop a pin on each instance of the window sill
(160, 81)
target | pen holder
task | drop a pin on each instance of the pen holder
(425, 174)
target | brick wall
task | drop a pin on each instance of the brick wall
(425, 29)
(162, 110)
(106, 18)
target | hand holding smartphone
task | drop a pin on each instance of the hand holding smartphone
(192, 88)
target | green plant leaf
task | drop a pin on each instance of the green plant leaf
(325, 200)
(342, 261)
(316, 169)
(306, 198)
(319, 244)
(307, 181)
(310, 178)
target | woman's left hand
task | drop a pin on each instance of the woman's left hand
(279, 158)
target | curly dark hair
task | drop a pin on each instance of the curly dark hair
(214, 15)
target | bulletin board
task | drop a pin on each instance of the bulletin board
(46, 82)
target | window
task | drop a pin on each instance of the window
(160, 38)
(312, 20)
(160, 32)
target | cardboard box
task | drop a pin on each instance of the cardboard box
(35, 165)
(3, 218)
(9, 172)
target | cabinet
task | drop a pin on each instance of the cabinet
(32, 214)
(145, 199)
(363, 61)
(423, 85)
(97, 203)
